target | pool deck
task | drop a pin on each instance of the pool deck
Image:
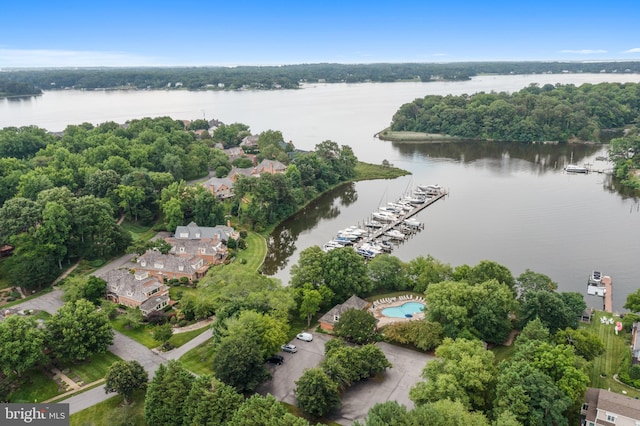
(390, 302)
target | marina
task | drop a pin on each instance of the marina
(389, 225)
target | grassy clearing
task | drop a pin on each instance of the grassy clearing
(606, 366)
(142, 334)
(105, 413)
(137, 231)
(177, 293)
(255, 252)
(93, 369)
(503, 352)
(390, 135)
(366, 171)
(198, 359)
(37, 387)
(178, 340)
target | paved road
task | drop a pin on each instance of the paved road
(48, 302)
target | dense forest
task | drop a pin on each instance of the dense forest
(549, 113)
(14, 88)
(287, 76)
(60, 197)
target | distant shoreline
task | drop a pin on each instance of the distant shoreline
(393, 136)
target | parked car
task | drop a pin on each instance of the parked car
(307, 337)
(289, 348)
(275, 359)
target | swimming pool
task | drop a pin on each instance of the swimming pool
(406, 310)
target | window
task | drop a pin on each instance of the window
(181, 249)
(181, 268)
(611, 418)
(184, 234)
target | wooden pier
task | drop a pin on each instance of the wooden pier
(608, 294)
(375, 234)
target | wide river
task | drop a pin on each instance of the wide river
(509, 203)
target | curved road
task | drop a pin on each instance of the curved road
(123, 346)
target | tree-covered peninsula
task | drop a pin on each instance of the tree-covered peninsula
(562, 113)
(12, 88)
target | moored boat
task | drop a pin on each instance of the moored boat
(574, 168)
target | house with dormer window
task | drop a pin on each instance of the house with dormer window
(137, 290)
(606, 408)
(169, 266)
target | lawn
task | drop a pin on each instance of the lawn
(142, 334)
(606, 365)
(137, 231)
(103, 414)
(37, 387)
(180, 339)
(255, 252)
(92, 370)
(198, 359)
(366, 171)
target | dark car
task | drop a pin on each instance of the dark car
(276, 359)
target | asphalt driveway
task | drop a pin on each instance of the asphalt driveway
(394, 384)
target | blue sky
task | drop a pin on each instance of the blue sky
(248, 32)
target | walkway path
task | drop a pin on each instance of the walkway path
(70, 383)
(196, 326)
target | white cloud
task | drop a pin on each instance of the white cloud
(17, 58)
(584, 51)
(634, 50)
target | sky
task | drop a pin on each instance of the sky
(118, 33)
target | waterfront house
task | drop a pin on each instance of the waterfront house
(271, 166)
(220, 187)
(137, 290)
(329, 319)
(635, 343)
(169, 266)
(605, 408)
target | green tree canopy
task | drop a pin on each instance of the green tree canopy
(77, 331)
(22, 344)
(125, 377)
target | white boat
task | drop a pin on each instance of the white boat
(574, 168)
(395, 234)
(431, 189)
(412, 223)
(358, 231)
(416, 200)
(373, 224)
(384, 216)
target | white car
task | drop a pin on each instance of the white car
(307, 337)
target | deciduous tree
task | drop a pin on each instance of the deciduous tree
(77, 331)
(316, 393)
(125, 377)
(22, 344)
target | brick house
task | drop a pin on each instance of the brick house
(138, 289)
(169, 266)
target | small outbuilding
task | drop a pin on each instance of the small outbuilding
(329, 319)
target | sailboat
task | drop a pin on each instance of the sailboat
(574, 168)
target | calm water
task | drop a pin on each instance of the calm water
(508, 203)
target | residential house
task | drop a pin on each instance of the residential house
(271, 166)
(329, 319)
(220, 187)
(248, 172)
(169, 266)
(234, 152)
(194, 232)
(605, 408)
(635, 343)
(139, 289)
(250, 142)
(212, 250)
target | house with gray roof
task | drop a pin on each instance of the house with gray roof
(220, 187)
(139, 289)
(212, 250)
(271, 166)
(250, 142)
(329, 319)
(169, 266)
(605, 408)
(194, 232)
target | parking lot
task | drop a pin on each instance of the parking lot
(393, 385)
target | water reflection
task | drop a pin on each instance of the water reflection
(282, 242)
(539, 158)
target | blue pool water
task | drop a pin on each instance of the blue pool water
(405, 311)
